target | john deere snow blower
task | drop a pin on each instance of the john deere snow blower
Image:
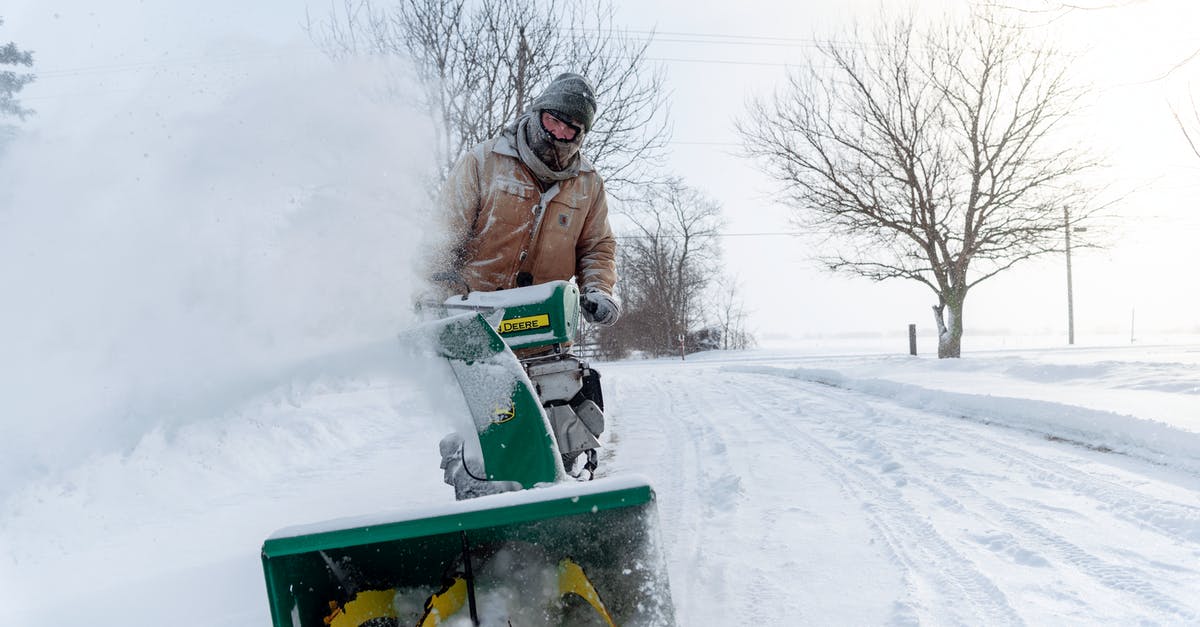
(540, 547)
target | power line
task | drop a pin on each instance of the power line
(796, 40)
(231, 57)
(650, 36)
(763, 234)
(705, 143)
(158, 65)
(136, 66)
(715, 42)
(721, 61)
(806, 42)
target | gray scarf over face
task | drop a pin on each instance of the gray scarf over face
(538, 150)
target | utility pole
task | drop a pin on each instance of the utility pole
(1070, 294)
(1070, 291)
(522, 59)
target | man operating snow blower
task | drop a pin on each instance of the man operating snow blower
(525, 213)
(527, 208)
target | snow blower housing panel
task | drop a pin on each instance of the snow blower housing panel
(541, 315)
(607, 527)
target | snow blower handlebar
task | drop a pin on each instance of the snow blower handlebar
(452, 281)
(532, 317)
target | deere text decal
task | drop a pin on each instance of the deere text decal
(524, 324)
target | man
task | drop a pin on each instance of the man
(523, 208)
(526, 207)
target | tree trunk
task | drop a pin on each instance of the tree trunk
(949, 331)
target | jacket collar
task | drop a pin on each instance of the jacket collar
(504, 146)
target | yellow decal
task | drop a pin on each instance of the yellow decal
(500, 416)
(367, 606)
(443, 604)
(571, 580)
(524, 324)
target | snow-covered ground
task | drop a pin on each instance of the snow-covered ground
(1019, 486)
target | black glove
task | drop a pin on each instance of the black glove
(450, 281)
(599, 308)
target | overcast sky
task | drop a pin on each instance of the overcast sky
(92, 56)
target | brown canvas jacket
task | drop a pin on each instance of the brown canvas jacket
(491, 202)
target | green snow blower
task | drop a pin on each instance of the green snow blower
(540, 545)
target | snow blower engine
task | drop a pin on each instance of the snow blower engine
(538, 324)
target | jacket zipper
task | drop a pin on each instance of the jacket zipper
(539, 211)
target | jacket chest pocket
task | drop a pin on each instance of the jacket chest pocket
(563, 219)
(512, 201)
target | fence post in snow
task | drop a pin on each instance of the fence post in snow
(912, 339)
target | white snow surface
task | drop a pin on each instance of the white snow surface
(1009, 487)
(507, 298)
(549, 492)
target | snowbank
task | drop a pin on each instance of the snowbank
(1105, 431)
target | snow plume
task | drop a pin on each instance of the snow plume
(162, 254)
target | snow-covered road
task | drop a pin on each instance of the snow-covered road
(787, 500)
(792, 490)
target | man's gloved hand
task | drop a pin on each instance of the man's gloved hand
(439, 287)
(599, 308)
(451, 282)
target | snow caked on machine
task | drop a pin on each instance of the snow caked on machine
(540, 546)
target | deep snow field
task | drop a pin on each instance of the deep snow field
(1053, 486)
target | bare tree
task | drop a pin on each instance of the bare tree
(929, 155)
(1054, 10)
(481, 63)
(1190, 127)
(731, 315)
(667, 261)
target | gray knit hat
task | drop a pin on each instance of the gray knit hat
(571, 94)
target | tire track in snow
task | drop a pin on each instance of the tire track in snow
(1173, 520)
(932, 566)
(730, 521)
(696, 457)
(1176, 522)
(1116, 577)
(1119, 578)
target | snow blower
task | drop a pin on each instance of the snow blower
(540, 548)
